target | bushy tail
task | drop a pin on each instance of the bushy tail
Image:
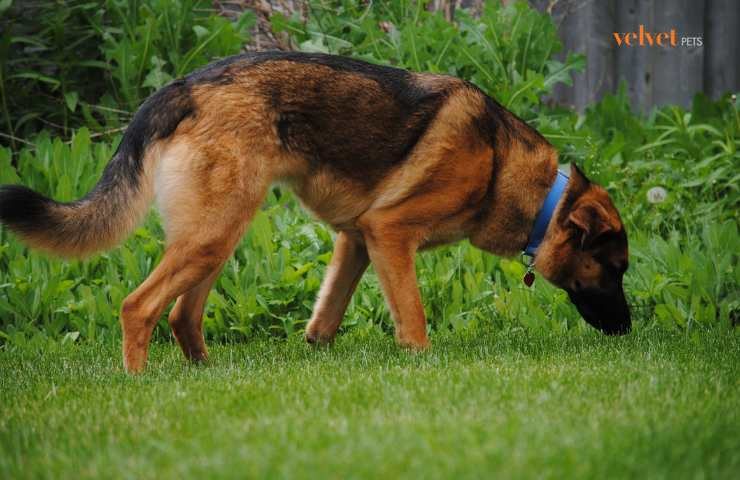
(106, 215)
(99, 221)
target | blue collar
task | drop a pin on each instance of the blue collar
(545, 214)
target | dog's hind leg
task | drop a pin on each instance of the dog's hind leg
(348, 263)
(207, 198)
(183, 267)
(186, 319)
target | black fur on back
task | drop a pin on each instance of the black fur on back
(394, 80)
(360, 129)
(497, 118)
(359, 133)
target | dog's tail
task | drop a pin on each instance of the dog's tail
(113, 208)
(98, 221)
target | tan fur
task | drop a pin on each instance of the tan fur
(186, 318)
(521, 176)
(394, 233)
(433, 158)
(349, 261)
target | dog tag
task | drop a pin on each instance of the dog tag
(528, 278)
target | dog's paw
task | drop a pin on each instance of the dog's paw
(316, 339)
(414, 345)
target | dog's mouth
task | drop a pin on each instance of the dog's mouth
(606, 312)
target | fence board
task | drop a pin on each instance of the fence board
(722, 39)
(679, 71)
(635, 65)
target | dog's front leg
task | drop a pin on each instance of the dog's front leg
(392, 254)
(348, 263)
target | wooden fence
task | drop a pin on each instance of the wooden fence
(654, 75)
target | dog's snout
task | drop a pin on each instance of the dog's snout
(606, 312)
(623, 329)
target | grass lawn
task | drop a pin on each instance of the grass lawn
(490, 404)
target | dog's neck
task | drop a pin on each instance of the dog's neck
(521, 178)
(546, 213)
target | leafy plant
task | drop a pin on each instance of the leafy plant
(507, 51)
(692, 281)
(64, 65)
(151, 43)
(692, 154)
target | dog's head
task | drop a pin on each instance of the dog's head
(585, 253)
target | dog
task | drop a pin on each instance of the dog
(393, 161)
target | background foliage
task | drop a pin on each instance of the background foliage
(64, 65)
(72, 73)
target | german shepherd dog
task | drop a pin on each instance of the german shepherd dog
(394, 161)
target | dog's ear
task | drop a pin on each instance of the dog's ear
(591, 220)
(578, 179)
